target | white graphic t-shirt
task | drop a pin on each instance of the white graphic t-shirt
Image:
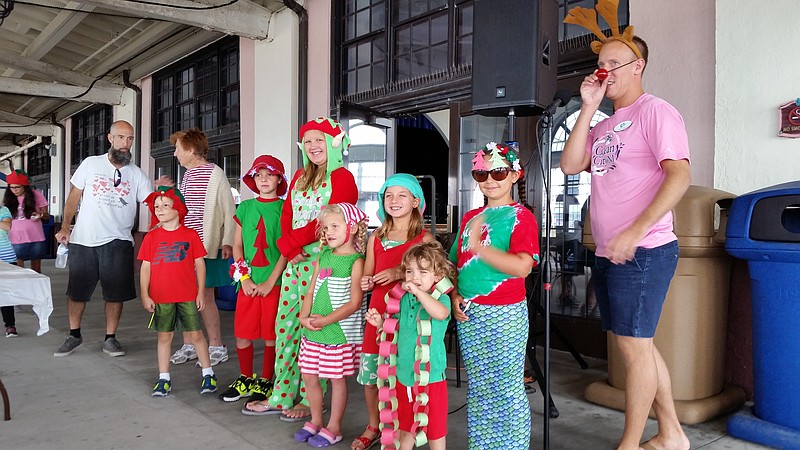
(107, 212)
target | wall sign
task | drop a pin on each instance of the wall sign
(789, 119)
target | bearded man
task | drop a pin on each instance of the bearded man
(107, 187)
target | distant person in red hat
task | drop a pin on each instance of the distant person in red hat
(172, 278)
(257, 270)
(29, 208)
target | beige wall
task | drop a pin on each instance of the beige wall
(757, 70)
(680, 36)
(319, 58)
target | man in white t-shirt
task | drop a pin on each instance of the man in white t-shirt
(107, 187)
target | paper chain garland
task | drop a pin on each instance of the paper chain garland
(387, 369)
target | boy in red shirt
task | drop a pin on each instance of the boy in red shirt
(172, 279)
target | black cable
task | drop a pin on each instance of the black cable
(193, 8)
(5, 10)
(61, 8)
(457, 409)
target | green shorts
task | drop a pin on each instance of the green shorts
(368, 370)
(218, 271)
(182, 316)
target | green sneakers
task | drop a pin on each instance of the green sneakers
(240, 388)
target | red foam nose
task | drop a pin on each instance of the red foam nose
(601, 74)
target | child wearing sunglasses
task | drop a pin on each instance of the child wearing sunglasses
(497, 246)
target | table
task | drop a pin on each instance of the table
(19, 286)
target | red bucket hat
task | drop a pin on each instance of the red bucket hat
(18, 177)
(273, 166)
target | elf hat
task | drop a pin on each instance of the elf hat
(336, 140)
(18, 177)
(178, 203)
(273, 166)
(407, 181)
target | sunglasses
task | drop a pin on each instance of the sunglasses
(117, 177)
(498, 174)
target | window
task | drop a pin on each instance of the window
(200, 91)
(38, 156)
(89, 133)
(386, 41)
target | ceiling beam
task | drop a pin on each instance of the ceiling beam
(97, 94)
(243, 18)
(33, 130)
(53, 33)
(48, 71)
(8, 116)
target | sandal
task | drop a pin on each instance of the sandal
(259, 409)
(308, 431)
(324, 439)
(362, 442)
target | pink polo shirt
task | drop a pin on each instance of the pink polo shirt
(27, 230)
(626, 150)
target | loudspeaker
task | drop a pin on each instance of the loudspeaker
(514, 56)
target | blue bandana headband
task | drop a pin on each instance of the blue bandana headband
(407, 181)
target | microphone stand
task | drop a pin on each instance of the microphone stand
(546, 123)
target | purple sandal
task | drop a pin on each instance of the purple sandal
(324, 438)
(308, 431)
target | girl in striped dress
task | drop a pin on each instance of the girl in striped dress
(332, 317)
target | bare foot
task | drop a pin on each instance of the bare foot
(298, 412)
(658, 442)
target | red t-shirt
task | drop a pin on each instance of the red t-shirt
(171, 255)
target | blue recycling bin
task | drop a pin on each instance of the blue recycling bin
(226, 295)
(764, 229)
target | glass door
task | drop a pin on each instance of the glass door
(368, 158)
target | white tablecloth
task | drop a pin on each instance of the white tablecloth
(20, 286)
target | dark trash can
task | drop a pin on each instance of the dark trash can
(764, 229)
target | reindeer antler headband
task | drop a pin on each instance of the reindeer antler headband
(587, 18)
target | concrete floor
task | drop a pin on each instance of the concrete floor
(91, 401)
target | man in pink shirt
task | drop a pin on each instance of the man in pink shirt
(639, 160)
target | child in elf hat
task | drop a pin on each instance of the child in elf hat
(332, 316)
(172, 279)
(400, 210)
(321, 181)
(416, 318)
(497, 246)
(257, 269)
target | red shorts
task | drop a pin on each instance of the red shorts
(437, 409)
(255, 316)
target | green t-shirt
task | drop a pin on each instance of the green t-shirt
(260, 220)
